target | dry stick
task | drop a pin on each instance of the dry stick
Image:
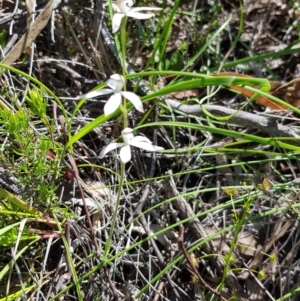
(248, 120)
(67, 69)
(185, 211)
(192, 266)
(113, 288)
(159, 291)
(258, 283)
(33, 31)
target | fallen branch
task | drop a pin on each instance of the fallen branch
(268, 125)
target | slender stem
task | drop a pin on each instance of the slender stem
(125, 123)
(123, 63)
(123, 45)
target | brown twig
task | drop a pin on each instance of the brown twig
(112, 286)
(192, 266)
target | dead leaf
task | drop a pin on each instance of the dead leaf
(289, 92)
(33, 31)
(30, 5)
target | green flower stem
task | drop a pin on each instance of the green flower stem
(124, 113)
(123, 63)
(125, 123)
(111, 231)
(123, 46)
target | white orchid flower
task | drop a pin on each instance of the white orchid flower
(130, 140)
(116, 83)
(124, 8)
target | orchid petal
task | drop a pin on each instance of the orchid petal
(110, 147)
(116, 21)
(139, 16)
(136, 101)
(125, 154)
(146, 146)
(116, 82)
(112, 104)
(125, 5)
(127, 135)
(144, 143)
(145, 8)
(138, 139)
(96, 93)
